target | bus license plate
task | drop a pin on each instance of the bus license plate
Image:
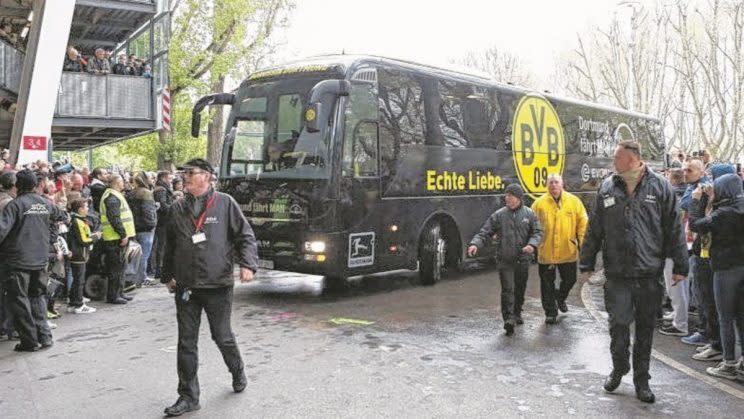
(265, 264)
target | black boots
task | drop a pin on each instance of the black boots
(239, 381)
(644, 393)
(613, 380)
(181, 406)
(509, 327)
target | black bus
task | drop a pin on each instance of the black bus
(351, 165)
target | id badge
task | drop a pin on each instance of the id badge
(199, 238)
(608, 202)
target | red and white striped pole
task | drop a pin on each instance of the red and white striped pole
(166, 109)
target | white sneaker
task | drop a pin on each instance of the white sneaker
(83, 309)
(702, 348)
(709, 354)
(725, 370)
(669, 316)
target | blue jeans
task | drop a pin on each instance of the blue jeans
(145, 240)
(728, 287)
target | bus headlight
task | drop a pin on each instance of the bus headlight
(315, 246)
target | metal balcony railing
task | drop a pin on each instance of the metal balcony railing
(11, 65)
(106, 97)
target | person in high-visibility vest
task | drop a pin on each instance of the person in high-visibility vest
(117, 227)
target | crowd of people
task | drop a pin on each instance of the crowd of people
(712, 207)
(111, 223)
(102, 63)
(672, 236)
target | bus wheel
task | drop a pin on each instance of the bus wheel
(96, 286)
(432, 254)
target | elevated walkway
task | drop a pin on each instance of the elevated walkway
(91, 110)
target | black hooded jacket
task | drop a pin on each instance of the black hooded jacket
(163, 194)
(208, 264)
(725, 223)
(25, 226)
(142, 204)
(637, 232)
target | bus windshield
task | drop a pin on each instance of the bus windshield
(268, 137)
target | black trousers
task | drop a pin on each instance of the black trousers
(158, 250)
(78, 283)
(707, 304)
(113, 258)
(548, 294)
(217, 303)
(26, 296)
(6, 314)
(628, 300)
(513, 286)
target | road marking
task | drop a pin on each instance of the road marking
(592, 308)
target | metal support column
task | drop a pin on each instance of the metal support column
(42, 70)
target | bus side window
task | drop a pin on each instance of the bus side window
(365, 149)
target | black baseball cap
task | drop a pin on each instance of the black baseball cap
(197, 164)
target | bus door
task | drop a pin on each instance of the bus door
(359, 186)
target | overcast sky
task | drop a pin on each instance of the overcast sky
(435, 32)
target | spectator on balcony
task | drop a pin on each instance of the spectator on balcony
(6, 33)
(73, 62)
(134, 63)
(147, 71)
(99, 64)
(122, 68)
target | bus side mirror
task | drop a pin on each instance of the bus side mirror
(311, 117)
(314, 117)
(215, 99)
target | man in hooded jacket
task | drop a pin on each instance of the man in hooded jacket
(25, 228)
(518, 233)
(636, 225)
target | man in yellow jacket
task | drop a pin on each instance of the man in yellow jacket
(564, 222)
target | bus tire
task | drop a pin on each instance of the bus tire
(96, 287)
(432, 254)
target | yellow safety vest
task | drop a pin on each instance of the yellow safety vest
(84, 230)
(127, 219)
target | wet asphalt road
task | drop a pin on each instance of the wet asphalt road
(431, 352)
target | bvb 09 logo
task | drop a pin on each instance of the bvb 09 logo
(538, 145)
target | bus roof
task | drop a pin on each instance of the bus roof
(350, 62)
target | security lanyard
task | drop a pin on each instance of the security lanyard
(199, 223)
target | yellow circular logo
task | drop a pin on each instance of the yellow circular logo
(310, 115)
(538, 145)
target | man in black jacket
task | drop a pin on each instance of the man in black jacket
(99, 178)
(25, 225)
(163, 195)
(145, 219)
(637, 226)
(206, 232)
(518, 233)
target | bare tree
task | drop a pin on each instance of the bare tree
(501, 65)
(682, 63)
